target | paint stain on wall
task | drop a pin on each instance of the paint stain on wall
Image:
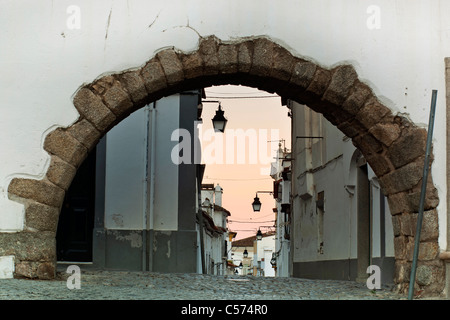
(118, 219)
(134, 237)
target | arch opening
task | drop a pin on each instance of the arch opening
(391, 144)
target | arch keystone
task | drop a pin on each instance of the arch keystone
(208, 48)
(245, 56)
(262, 57)
(228, 58)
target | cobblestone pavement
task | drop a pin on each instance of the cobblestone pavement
(122, 285)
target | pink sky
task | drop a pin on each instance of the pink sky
(241, 181)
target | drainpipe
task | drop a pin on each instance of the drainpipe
(150, 188)
(351, 192)
(412, 278)
(152, 178)
(144, 215)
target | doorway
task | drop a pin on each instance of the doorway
(76, 221)
(363, 221)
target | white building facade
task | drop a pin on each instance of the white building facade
(341, 218)
(215, 231)
(282, 175)
(264, 250)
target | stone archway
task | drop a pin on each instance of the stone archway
(392, 145)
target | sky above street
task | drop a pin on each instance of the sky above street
(265, 121)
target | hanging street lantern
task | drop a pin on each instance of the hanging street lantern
(259, 235)
(219, 121)
(256, 204)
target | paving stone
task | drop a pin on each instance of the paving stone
(126, 285)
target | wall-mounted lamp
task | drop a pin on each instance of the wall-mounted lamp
(256, 203)
(259, 235)
(245, 253)
(219, 121)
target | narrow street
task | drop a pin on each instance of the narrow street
(118, 285)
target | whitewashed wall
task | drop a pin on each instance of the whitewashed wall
(264, 249)
(335, 173)
(131, 183)
(126, 171)
(50, 48)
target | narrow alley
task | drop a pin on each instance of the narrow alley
(127, 285)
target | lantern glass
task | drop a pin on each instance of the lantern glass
(256, 204)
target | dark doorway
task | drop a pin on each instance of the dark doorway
(364, 217)
(76, 221)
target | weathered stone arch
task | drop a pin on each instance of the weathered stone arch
(392, 145)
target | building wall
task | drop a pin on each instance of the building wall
(264, 249)
(126, 169)
(215, 255)
(215, 264)
(282, 243)
(149, 203)
(326, 236)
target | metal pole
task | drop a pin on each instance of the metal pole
(422, 196)
(200, 222)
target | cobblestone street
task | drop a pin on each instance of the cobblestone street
(102, 285)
